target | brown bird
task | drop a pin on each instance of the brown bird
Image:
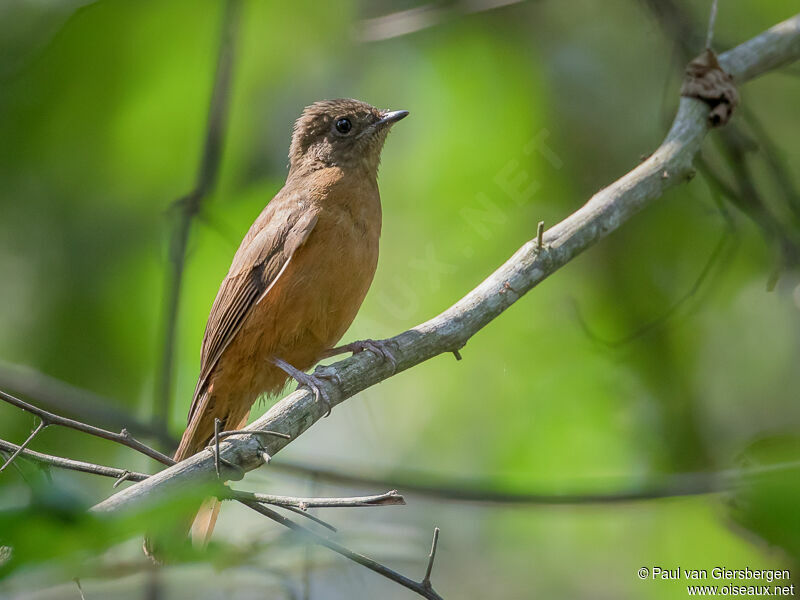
(299, 275)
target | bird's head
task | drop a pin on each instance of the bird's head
(344, 133)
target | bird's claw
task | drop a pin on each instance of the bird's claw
(379, 348)
(325, 372)
(312, 382)
(320, 395)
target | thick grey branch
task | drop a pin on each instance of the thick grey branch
(605, 212)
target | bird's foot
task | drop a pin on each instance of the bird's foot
(379, 348)
(312, 382)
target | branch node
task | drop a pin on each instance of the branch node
(539, 235)
(457, 354)
(507, 286)
(706, 81)
(123, 477)
(712, 19)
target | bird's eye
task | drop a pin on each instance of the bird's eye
(343, 126)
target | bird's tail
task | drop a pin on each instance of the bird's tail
(198, 435)
(206, 518)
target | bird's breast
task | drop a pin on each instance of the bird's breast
(317, 297)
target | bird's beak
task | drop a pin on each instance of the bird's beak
(391, 116)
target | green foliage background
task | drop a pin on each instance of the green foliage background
(102, 114)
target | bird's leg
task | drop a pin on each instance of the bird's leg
(379, 348)
(312, 382)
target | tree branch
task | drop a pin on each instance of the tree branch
(685, 484)
(734, 145)
(123, 437)
(456, 490)
(423, 588)
(72, 465)
(605, 212)
(387, 499)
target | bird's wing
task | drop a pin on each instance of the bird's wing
(259, 262)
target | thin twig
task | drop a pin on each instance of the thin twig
(80, 589)
(387, 499)
(70, 464)
(191, 204)
(121, 479)
(367, 562)
(305, 574)
(308, 515)
(217, 424)
(24, 445)
(712, 20)
(123, 437)
(223, 434)
(454, 490)
(426, 581)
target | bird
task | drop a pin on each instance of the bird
(299, 276)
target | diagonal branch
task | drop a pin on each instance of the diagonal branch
(423, 588)
(605, 212)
